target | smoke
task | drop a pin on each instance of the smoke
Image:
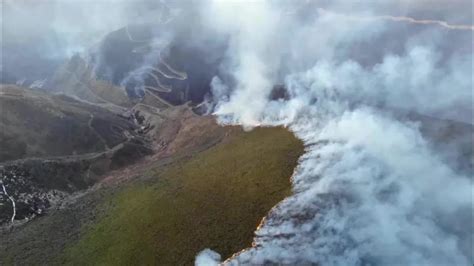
(252, 64)
(39, 36)
(68, 27)
(207, 257)
(414, 76)
(371, 189)
(367, 191)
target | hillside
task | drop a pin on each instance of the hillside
(37, 124)
(53, 146)
(75, 77)
(174, 207)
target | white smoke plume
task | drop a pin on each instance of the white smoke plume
(253, 64)
(207, 257)
(371, 189)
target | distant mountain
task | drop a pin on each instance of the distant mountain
(143, 55)
(76, 78)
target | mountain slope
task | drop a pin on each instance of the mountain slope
(173, 209)
(53, 145)
(37, 124)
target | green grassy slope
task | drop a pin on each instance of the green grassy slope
(213, 200)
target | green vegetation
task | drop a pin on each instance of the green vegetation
(214, 199)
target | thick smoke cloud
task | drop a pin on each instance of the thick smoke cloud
(412, 73)
(371, 189)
